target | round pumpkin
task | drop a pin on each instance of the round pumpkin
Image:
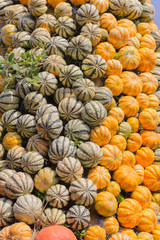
(57, 45)
(92, 32)
(156, 232)
(46, 109)
(150, 139)
(6, 211)
(142, 195)
(129, 105)
(134, 123)
(100, 135)
(87, 13)
(128, 158)
(155, 207)
(112, 124)
(7, 33)
(37, 144)
(144, 156)
(11, 140)
(63, 9)
(134, 42)
(156, 198)
(147, 60)
(111, 225)
(114, 188)
(9, 100)
(143, 100)
(129, 25)
(119, 141)
(145, 235)
(37, 7)
(117, 113)
(153, 101)
(114, 67)
(148, 41)
(52, 216)
(115, 84)
(95, 233)
(53, 64)
(5, 174)
(101, 5)
(62, 93)
(119, 37)
(99, 176)
(108, 21)
(9, 120)
(134, 142)
(14, 157)
(46, 21)
(39, 37)
(65, 27)
(26, 23)
(150, 82)
(148, 221)
(151, 177)
(105, 50)
(149, 119)
(140, 171)
(132, 84)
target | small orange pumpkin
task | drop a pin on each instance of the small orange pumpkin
(138, 36)
(119, 37)
(55, 2)
(112, 124)
(140, 171)
(108, 21)
(145, 236)
(114, 188)
(144, 156)
(152, 177)
(143, 100)
(117, 113)
(156, 198)
(128, 158)
(101, 5)
(119, 236)
(150, 139)
(142, 195)
(153, 101)
(129, 25)
(119, 141)
(154, 206)
(100, 135)
(129, 105)
(114, 67)
(153, 26)
(150, 82)
(111, 225)
(134, 123)
(25, 2)
(148, 41)
(149, 119)
(95, 233)
(99, 176)
(75, 2)
(11, 139)
(129, 232)
(134, 42)
(144, 28)
(105, 50)
(115, 84)
(156, 232)
(148, 221)
(134, 142)
(148, 59)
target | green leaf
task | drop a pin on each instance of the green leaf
(11, 56)
(120, 198)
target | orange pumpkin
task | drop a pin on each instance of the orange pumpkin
(128, 158)
(143, 100)
(153, 102)
(95, 233)
(75, 2)
(108, 21)
(25, 2)
(156, 198)
(119, 141)
(129, 105)
(152, 177)
(101, 5)
(55, 2)
(148, 59)
(156, 232)
(148, 221)
(134, 142)
(154, 206)
(134, 123)
(114, 67)
(117, 113)
(129, 232)
(132, 84)
(105, 50)
(115, 84)
(142, 195)
(150, 139)
(111, 225)
(149, 119)
(11, 139)
(112, 124)
(145, 236)
(150, 82)
(144, 156)
(134, 42)
(129, 57)
(129, 213)
(140, 171)
(119, 37)
(148, 41)
(112, 157)
(127, 177)
(100, 135)
(153, 26)
(114, 188)
(138, 36)
(129, 25)
(144, 28)
(119, 236)
(99, 176)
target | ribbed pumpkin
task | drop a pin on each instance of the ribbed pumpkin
(156, 232)
(13, 13)
(108, 21)
(128, 158)
(148, 41)
(2, 151)
(105, 204)
(39, 37)
(101, 5)
(143, 28)
(65, 27)
(155, 207)
(119, 141)
(115, 84)
(119, 236)
(134, 42)
(129, 25)
(37, 7)
(7, 34)
(21, 39)
(134, 142)
(142, 195)
(52, 216)
(99, 176)
(145, 235)
(151, 177)
(148, 59)
(140, 171)
(130, 233)
(23, 88)
(143, 99)
(92, 32)
(117, 113)
(129, 105)
(9, 120)
(46, 21)
(56, 2)
(111, 225)
(63, 9)
(9, 100)
(62, 93)
(78, 217)
(100, 135)
(26, 125)
(150, 82)
(149, 119)
(112, 124)
(57, 196)
(26, 23)
(119, 37)
(46, 109)
(119, 7)
(135, 10)
(148, 13)
(37, 144)
(14, 157)
(105, 50)
(5, 174)
(129, 213)
(104, 96)
(148, 221)
(144, 156)
(153, 101)
(11, 140)
(57, 45)
(87, 13)
(6, 211)
(150, 139)
(114, 188)
(32, 162)
(53, 64)
(94, 233)
(3, 6)
(124, 129)
(114, 67)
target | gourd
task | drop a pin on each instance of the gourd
(148, 41)
(87, 13)
(53, 64)
(101, 5)
(3, 6)
(8, 100)
(37, 7)
(89, 154)
(100, 135)
(134, 42)
(39, 37)
(83, 191)
(117, 113)
(128, 158)
(92, 32)
(37, 144)
(52, 216)
(46, 21)
(148, 221)
(7, 33)
(14, 157)
(129, 25)
(144, 156)
(63, 9)
(32, 162)
(129, 105)
(57, 196)
(23, 88)
(18, 184)
(62, 93)
(150, 139)
(142, 195)
(149, 119)
(26, 125)
(134, 142)
(119, 8)
(100, 176)
(57, 45)
(104, 96)
(140, 171)
(13, 13)
(112, 125)
(134, 123)
(119, 141)
(156, 231)
(6, 211)
(27, 208)
(94, 233)
(129, 232)
(114, 188)
(11, 140)
(9, 120)
(155, 207)
(115, 84)
(65, 27)
(135, 10)
(111, 225)
(78, 217)
(105, 50)
(150, 82)
(105, 204)
(5, 174)
(148, 13)
(46, 109)
(119, 37)
(153, 102)
(44, 179)
(156, 198)
(26, 23)
(143, 100)
(124, 129)
(2, 151)
(21, 39)
(108, 21)
(151, 177)
(148, 59)
(145, 235)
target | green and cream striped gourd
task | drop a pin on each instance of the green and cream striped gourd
(23, 88)
(57, 45)
(26, 23)
(65, 27)
(148, 13)
(9, 120)
(14, 157)
(6, 212)
(39, 37)
(32, 162)
(46, 21)
(13, 13)
(21, 39)
(53, 64)
(52, 216)
(4, 176)
(37, 144)
(17, 53)
(37, 7)
(84, 89)
(9, 100)
(87, 13)
(62, 93)
(26, 125)
(2, 151)
(104, 96)
(47, 109)
(3, 6)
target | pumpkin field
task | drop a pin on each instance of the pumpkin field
(79, 120)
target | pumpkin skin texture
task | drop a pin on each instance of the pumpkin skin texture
(144, 156)
(153, 102)
(150, 139)
(145, 235)
(127, 177)
(37, 7)
(84, 89)
(95, 233)
(134, 42)
(14, 157)
(111, 225)
(101, 5)
(65, 27)
(11, 140)
(119, 141)
(114, 188)
(128, 158)
(100, 135)
(108, 21)
(148, 60)
(119, 37)
(114, 67)
(9, 100)
(149, 119)
(129, 25)
(143, 28)
(112, 124)
(7, 33)
(5, 174)
(32, 162)
(105, 50)
(134, 142)
(37, 144)
(53, 64)
(150, 82)
(143, 196)
(156, 232)
(140, 171)
(156, 198)
(134, 123)
(87, 13)
(119, 236)
(100, 176)
(55, 231)
(129, 105)
(129, 213)
(115, 84)
(148, 221)
(105, 204)
(92, 32)
(55, 2)
(63, 9)
(130, 233)
(151, 177)
(6, 211)
(148, 41)
(117, 113)
(143, 100)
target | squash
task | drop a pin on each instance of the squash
(47, 109)
(87, 13)
(134, 123)
(8, 100)
(77, 130)
(148, 41)
(2, 151)
(143, 99)
(111, 225)
(143, 28)
(127, 177)
(83, 191)
(148, 13)
(134, 42)
(104, 96)
(156, 35)
(6, 211)
(140, 171)
(37, 144)
(101, 5)
(124, 129)
(26, 125)
(114, 67)
(65, 27)
(117, 113)
(63, 9)
(95, 233)
(112, 157)
(62, 93)
(21, 39)
(5, 174)
(119, 141)
(156, 155)
(115, 84)
(52, 216)
(53, 64)
(129, 57)
(13, 13)
(11, 140)
(150, 82)
(57, 45)
(112, 124)
(156, 198)
(144, 156)
(26, 23)
(100, 176)
(57, 196)
(119, 37)
(46, 21)
(105, 50)
(129, 25)
(105, 204)
(37, 7)
(9, 120)
(3, 7)
(108, 21)
(148, 221)
(129, 105)
(14, 157)
(153, 102)
(128, 158)
(156, 232)
(149, 119)
(7, 34)
(135, 10)
(100, 135)
(151, 177)
(145, 235)
(32, 162)
(150, 139)
(119, 8)
(129, 213)
(130, 233)
(39, 37)
(114, 188)
(155, 207)
(92, 32)
(148, 59)
(134, 142)
(78, 217)
(23, 88)
(132, 84)
(27, 208)
(142, 195)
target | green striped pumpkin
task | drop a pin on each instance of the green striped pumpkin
(23, 88)
(4, 176)
(18, 184)
(47, 85)
(60, 148)
(37, 7)
(77, 130)
(69, 169)
(83, 191)
(46, 21)
(156, 35)
(93, 113)
(58, 196)
(2, 151)
(89, 154)
(1, 129)
(148, 13)
(33, 101)
(87, 13)
(37, 144)
(37, 51)
(104, 96)
(3, 5)
(21, 39)
(69, 74)
(3, 165)
(84, 89)
(47, 109)
(78, 217)
(9, 120)
(65, 27)
(39, 37)
(57, 45)
(14, 157)
(94, 66)
(79, 47)
(52, 216)
(135, 10)
(26, 23)
(62, 93)
(9, 100)
(92, 32)
(32, 162)
(6, 212)
(119, 8)
(13, 13)
(26, 125)
(69, 108)
(17, 53)
(63, 9)
(53, 64)
(49, 127)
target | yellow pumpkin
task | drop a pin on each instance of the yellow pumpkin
(143, 100)
(115, 84)
(151, 177)
(148, 221)
(145, 236)
(119, 141)
(150, 82)
(148, 41)
(119, 37)
(99, 176)
(156, 232)
(156, 198)
(149, 119)
(111, 225)
(134, 42)
(134, 142)
(7, 34)
(11, 139)
(128, 158)
(129, 25)
(155, 207)
(150, 139)
(129, 232)
(134, 123)
(119, 236)
(144, 28)
(114, 67)
(142, 195)
(114, 188)
(140, 171)
(153, 102)
(144, 156)
(95, 233)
